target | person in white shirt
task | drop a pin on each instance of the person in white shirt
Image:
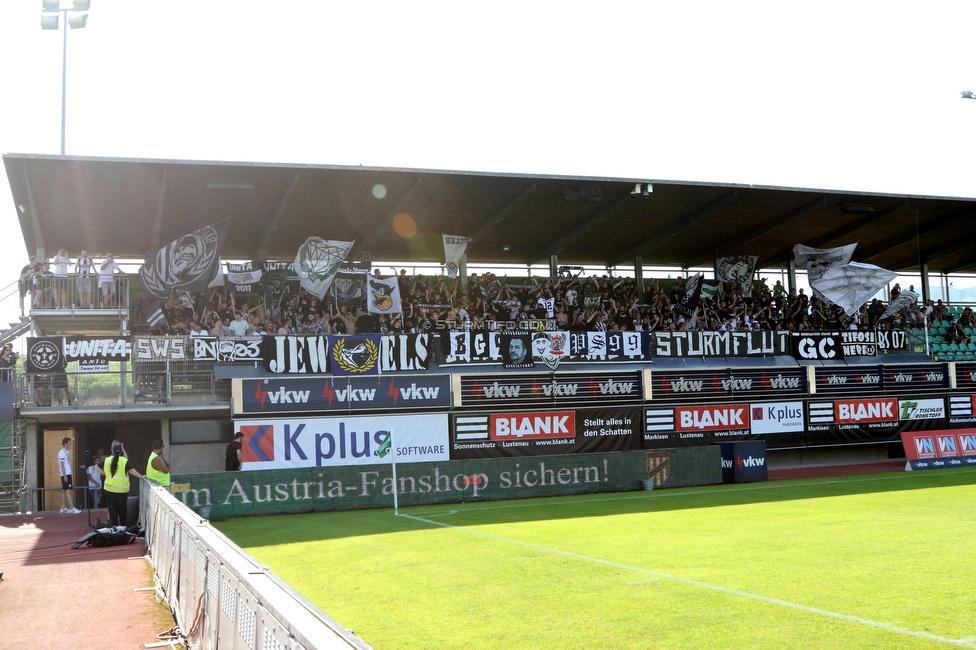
(83, 267)
(239, 326)
(197, 330)
(64, 469)
(106, 280)
(94, 483)
(61, 262)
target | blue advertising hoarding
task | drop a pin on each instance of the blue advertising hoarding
(311, 394)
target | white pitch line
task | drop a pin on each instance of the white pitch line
(966, 643)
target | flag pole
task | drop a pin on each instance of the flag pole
(396, 504)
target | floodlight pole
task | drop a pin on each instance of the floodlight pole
(53, 9)
(64, 75)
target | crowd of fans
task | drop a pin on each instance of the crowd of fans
(491, 302)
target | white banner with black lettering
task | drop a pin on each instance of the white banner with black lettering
(160, 348)
(454, 247)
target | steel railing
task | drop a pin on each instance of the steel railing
(78, 292)
(220, 596)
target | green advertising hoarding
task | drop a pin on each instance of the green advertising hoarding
(238, 494)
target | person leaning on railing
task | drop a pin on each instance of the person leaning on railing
(157, 469)
(8, 362)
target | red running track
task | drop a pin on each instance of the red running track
(54, 597)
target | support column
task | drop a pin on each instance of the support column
(924, 271)
(553, 266)
(639, 276)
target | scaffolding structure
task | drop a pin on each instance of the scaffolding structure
(13, 447)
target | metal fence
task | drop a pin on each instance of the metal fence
(221, 597)
(172, 382)
(73, 292)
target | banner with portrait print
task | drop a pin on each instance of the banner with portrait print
(516, 350)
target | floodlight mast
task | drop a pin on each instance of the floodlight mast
(78, 18)
(968, 94)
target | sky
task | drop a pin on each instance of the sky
(861, 96)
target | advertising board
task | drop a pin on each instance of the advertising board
(337, 441)
(533, 433)
(940, 448)
(307, 394)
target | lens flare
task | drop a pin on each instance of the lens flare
(404, 225)
(379, 191)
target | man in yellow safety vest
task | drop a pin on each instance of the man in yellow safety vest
(157, 469)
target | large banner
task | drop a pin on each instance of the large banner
(940, 448)
(307, 394)
(319, 355)
(335, 441)
(241, 494)
(482, 347)
(571, 389)
(719, 344)
(544, 433)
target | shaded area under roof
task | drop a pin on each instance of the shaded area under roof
(130, 206)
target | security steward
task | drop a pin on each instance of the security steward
(157, 469)
(116, 484)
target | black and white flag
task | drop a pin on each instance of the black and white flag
(244, 276)
(736, 268)
(851, 285)
(688, 302)
(454, 247)
(904, 300)
(348, 289)
(817, 260)
(317, 262)
(188, 263)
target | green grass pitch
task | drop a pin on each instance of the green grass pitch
(876, 561)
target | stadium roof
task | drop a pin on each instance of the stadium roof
(130, 206)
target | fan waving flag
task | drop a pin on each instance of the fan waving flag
(188, 263)
(688, 302)
(851, 285)
(244, 276)
(817, 260)
(904, 300)
(737, 268)
(317, 262)
(384, 296)
(454, 248)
